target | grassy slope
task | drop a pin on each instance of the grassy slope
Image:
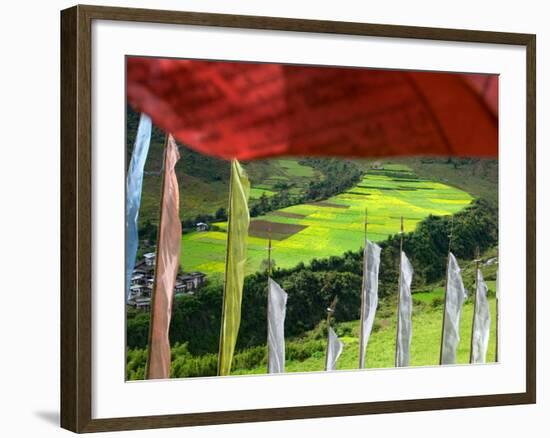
(381, 348)
(479, 177)
(427, 320)
(204, 188)
(203, 181)
(425, 344)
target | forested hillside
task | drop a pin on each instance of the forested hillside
(311, 287)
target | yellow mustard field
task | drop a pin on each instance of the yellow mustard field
(330, 227)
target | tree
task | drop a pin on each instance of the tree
(264, 202)
(221, 214)
(264, 265)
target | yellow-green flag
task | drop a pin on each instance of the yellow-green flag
(237, 233)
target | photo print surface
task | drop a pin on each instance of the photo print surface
(285, 219)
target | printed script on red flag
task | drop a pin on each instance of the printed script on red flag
(251, 110)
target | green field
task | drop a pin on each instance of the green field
(203, 190)
(479, 177)
(257, 192)
(425, 343)
(307, 352)
(268, 176)
(333, 226)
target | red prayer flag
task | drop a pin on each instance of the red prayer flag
(251, 110)
(167, 264)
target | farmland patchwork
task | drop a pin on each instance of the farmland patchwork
(303, 232)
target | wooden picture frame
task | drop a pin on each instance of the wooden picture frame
(76, 217)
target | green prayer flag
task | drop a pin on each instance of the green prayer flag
(237, 233)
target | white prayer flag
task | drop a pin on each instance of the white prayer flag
(404, 317)
(276, 311)
(482, 322)
(134, 183)
(371, 265)
(334, 350)
(454, 298)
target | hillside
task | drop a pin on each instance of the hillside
(307, 352)
(311, 287)
(204, 181)
(479, 177)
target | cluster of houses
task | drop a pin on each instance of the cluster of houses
(141, 287)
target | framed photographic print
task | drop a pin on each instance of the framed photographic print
(268, 218)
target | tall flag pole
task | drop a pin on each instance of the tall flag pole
(369, 292)
(404, 308)
(166, 269)
(445, 292)
(481, 323)
(235, 260)
(276, 312)
(269, 249)
(334, 345)
(134, 183)
(363, 297)
(476, 285)
(455, 295)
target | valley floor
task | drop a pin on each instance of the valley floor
(332, 227)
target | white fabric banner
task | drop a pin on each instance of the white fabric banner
(371, 265)
(454, 298)
(276, 312)
(134, 182)
(404, 316)
(482, 322)
(334, 349)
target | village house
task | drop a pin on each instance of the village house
(193, 280)
(149, 258)
(136, 290)
(201, 226)
(137, 278)
(180, 287)
(142, 303)
(143, 279)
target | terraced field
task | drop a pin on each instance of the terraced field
(257, 193)
(266, 176)
(306, 231)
